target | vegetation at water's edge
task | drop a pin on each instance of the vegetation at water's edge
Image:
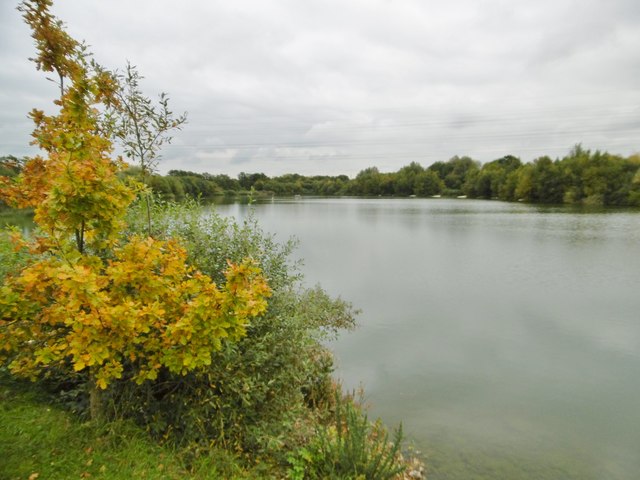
(581, 177)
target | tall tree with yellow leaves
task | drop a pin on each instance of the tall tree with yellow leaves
(89, 299)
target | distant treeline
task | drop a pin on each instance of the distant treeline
(581, 177)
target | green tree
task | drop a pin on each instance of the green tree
(141, 126)
(507, 190)
(455, 173)
(442, 169)
(524, 183)
(247, 180)
(597, 178)
(428, 183)
(405, 179)
(489, 180)
(548, 183)
(367, 182)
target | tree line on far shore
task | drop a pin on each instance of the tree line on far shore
(581, 177)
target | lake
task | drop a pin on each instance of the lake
(505, 337)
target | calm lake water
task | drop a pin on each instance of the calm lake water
(505, 337)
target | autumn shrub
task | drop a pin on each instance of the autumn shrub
(258, 390)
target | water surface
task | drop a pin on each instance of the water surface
(506, 337)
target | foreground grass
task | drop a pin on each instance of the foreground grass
(39, 440)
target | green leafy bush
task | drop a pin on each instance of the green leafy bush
(257, 395)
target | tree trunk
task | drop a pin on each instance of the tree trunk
(148, 203)
(95, 402)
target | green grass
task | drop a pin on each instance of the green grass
(39, 440)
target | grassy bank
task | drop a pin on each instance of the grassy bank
(38, 439)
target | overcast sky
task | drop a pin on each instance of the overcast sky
(331, 87)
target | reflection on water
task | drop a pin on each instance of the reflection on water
(504, 336)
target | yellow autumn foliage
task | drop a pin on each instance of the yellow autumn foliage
(141, 311)
(89, 299)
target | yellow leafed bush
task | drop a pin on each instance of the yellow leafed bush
(143, 310)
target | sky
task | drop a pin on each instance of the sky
(332, 87)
